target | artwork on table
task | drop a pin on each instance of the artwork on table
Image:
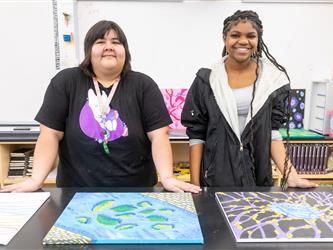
(15, 210)
(296, 108)
(278, 216)
(174, 100)
(127, 218)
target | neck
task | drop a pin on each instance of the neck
(106, 79)
(238, 66)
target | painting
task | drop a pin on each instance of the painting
(278, 216)
(296, 109)
(127, 218)
(174, 100)
(15, 210)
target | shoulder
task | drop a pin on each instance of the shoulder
(268, 65)
(68, 75)
(202, 78)
(204, 73)
(66, 78)
(139, 79)
(270, 71)
(138, 76)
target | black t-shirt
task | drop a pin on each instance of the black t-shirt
(70, 105)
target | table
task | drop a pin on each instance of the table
(216, 232)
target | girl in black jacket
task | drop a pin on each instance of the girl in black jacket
(233, 112)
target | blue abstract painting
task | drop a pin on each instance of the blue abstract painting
(127, 218)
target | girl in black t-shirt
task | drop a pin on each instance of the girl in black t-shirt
(108, 124)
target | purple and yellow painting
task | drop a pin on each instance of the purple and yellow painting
(278, 216)
(127, 218)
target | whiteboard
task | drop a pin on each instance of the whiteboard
(27, 57)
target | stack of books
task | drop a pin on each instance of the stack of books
(21, 161)
(29, 163)
(310, 158)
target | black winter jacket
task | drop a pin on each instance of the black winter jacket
(226, 158)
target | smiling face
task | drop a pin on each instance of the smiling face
(108, 54)
(241, 41)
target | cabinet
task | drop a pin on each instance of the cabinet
(180, 148)
(321, 105)
(6, 147)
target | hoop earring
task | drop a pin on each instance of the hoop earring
(255, 54)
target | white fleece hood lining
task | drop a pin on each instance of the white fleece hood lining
(269, 79)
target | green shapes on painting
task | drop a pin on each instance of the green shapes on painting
(123, 208)
(157, 218)
(106, 220)
(147, 211)
(83, 219)
(166, 210)
(125, 215)
(126, 226)
(144, 204)
(102, 205)
(163, 226)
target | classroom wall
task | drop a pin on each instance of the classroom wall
(169, 41)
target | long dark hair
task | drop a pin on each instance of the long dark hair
(253, 18)
(98, 31)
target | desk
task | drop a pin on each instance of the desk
(216, 233)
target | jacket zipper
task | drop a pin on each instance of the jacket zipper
(209, 167)
(241, 148)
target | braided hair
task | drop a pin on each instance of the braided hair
(253, 18)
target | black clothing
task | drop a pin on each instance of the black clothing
(137, 106)
(226, 159)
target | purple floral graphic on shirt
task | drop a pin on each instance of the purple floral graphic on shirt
(91, 123)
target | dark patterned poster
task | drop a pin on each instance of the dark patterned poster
(278, 216)
(297, 106)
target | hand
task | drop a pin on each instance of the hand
(298, 182)
(28, 185)
(174, 185)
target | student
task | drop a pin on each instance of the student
(234, 110)
(108, 123)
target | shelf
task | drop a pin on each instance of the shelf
(317, 176)
(178, 141)
(328, 141)
(12, 180)
(50, 180)
(180, 149)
